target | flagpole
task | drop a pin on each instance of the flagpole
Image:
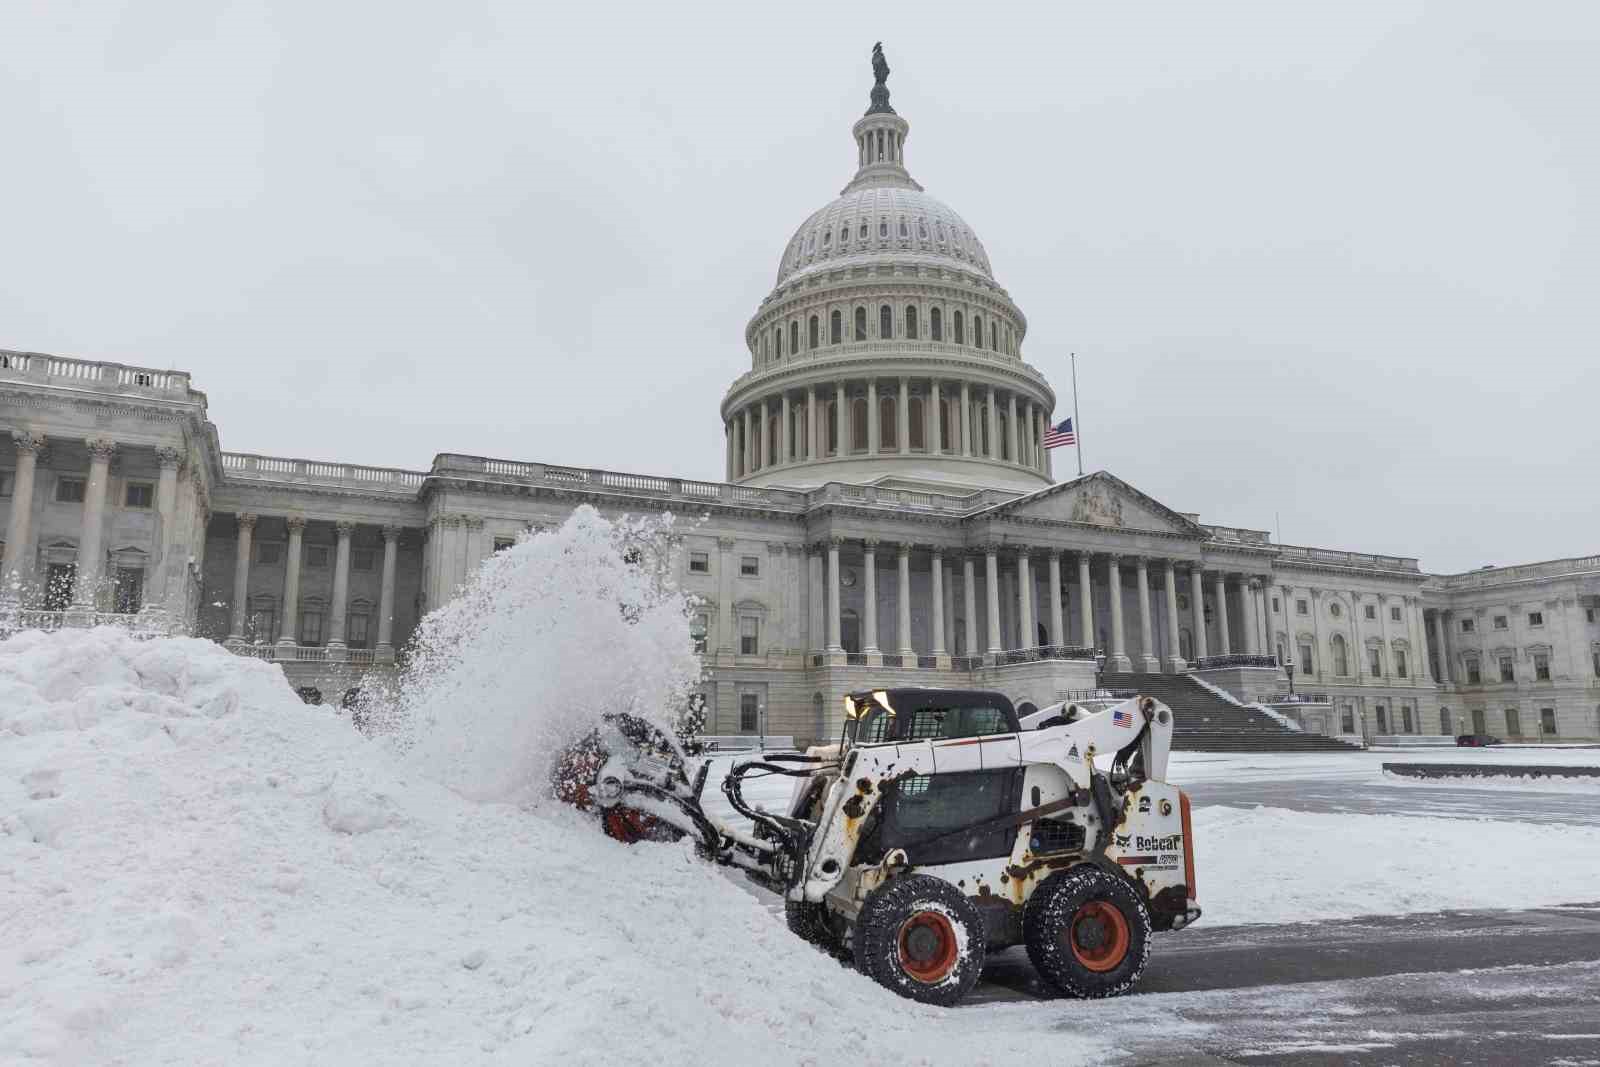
(1077, 423)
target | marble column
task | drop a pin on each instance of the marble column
(785, 432)
(1058, 634)
(289, 630)
(1197, 604)
(902, 418)
(933, 437)
(763, 461)
(727, 460)
(874, 428)
(1028, 633)
(936, 594)
(167, 512)
(1118, 659)
(1149, 662)
(748, 451)
(1175, 663)
(834, 645)
(241, 577)
(814, 436)
(1224, 641)
(1085, 603)
(391, 541)
(343, 531)
(991, 575)
(992, 431)
(1012, 440)
(969, 594)
(91, 538)
(1442, 671)
(19, 529)
(1025, 435)
(903, 596)
(869, 599)
(966, 429)
(1249, 588)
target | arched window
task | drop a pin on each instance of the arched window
(858, 427)
(911, 323)
(794, 338)
(961, 333)
(888, 432)
(916, 411)
(936, 324)
(827, 238)
(883, 227)
(813, 337)
(835, 328)
(885, 322)
(861, 324)
(977, 331)
(1341, 656)
(994, 337)
(904, 230)
(863, 229)
(777, 341)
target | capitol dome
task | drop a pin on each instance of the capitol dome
(886, 353)
(881, 218)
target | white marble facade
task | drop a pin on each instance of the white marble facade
(888, 516)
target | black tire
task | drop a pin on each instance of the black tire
(1087, 932)
(921, 938)
(809, 922)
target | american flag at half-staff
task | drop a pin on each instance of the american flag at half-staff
(1060, 434)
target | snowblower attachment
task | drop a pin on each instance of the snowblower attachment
(935, 829)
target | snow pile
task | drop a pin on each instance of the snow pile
(1272, 865)
(197, 867)
(1528, 783)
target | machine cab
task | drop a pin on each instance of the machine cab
(882, 716)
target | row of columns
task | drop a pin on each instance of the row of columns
(749, 437)
(1252, 591)
(344, 532)
(91, 535)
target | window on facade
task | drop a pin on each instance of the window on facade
(1445, 725)
(1302, 608)
(916, 411)
(1394, 613)
(863, 229)
(777, 341)
(1541, 666)
(58, 584)
(836, 328)
(813, 332)
(269, 552)
(129, 590)
(263, 623)
(311, 626)
(883, 224)
(317, 555)
(70, 490)
(1535, 618)
(699, 626)
(1305, 657)
(1513, 722)
(358, 628)
(1479, 725)
(1370, 611)
(1588, 614)
(1500, 622)
(936, 324)
(749, 712)
(1466, 626)
(858, 429)
(885, 322)
(1341, 658)
(1275, 607)
(1595, 655)
(1383, 719)
(500, 543)
(1335, 610)
(1474, 676)
(699, 563)
(1508, 671)
(1407, 726)
(366, 559)
(911, 323)
(961, 337)
(749, 636)
(8, 479)
(1400, 665)
(886, 422)
(1547, 721)
(794, 338)
(1375, 661)
(977, 331)
(861, 324)
(749, 566)
(1347, 721)
(139, 495)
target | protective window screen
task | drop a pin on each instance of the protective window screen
(920, 807)
(956, 722)
(876, 728)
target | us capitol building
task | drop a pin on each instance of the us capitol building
(888, 516)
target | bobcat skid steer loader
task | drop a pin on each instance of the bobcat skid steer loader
(938, 828)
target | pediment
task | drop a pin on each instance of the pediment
(1100, 499)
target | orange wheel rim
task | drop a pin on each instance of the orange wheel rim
(1098, 936)
(627, 825)
(927, 944)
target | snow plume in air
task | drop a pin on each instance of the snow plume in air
(547, 636)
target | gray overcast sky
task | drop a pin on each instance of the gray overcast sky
(1334, 262)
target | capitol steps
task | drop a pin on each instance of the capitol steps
(1205, 722)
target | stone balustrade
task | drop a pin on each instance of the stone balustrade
(1333, 557)
(1555, 568)
(1210, 663)
(244, 466)
(104, 377)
